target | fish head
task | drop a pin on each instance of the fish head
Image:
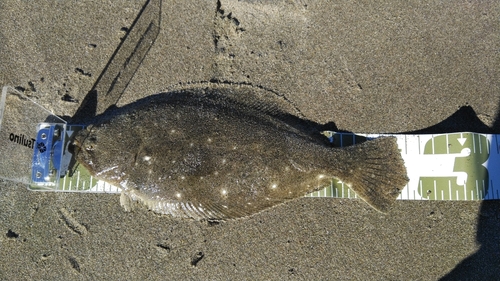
(100, 154)
(85, 148)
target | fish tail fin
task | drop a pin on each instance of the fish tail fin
(375, 171)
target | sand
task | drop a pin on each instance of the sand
(393, 67)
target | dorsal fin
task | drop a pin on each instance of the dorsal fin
(245, 93)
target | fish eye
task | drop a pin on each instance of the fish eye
(73, 147)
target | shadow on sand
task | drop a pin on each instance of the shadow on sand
(123, 64)
(484, 264)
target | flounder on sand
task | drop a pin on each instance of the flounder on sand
(228, 152)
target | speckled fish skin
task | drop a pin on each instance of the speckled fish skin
(212, 154)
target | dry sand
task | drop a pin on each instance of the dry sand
(392, 67)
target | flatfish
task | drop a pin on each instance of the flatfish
(228, 152)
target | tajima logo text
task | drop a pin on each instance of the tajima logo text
(22, 140)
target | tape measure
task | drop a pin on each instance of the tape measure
(455, 166)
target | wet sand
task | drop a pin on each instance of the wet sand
(374, 68)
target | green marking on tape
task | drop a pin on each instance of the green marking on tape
(473, 184)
